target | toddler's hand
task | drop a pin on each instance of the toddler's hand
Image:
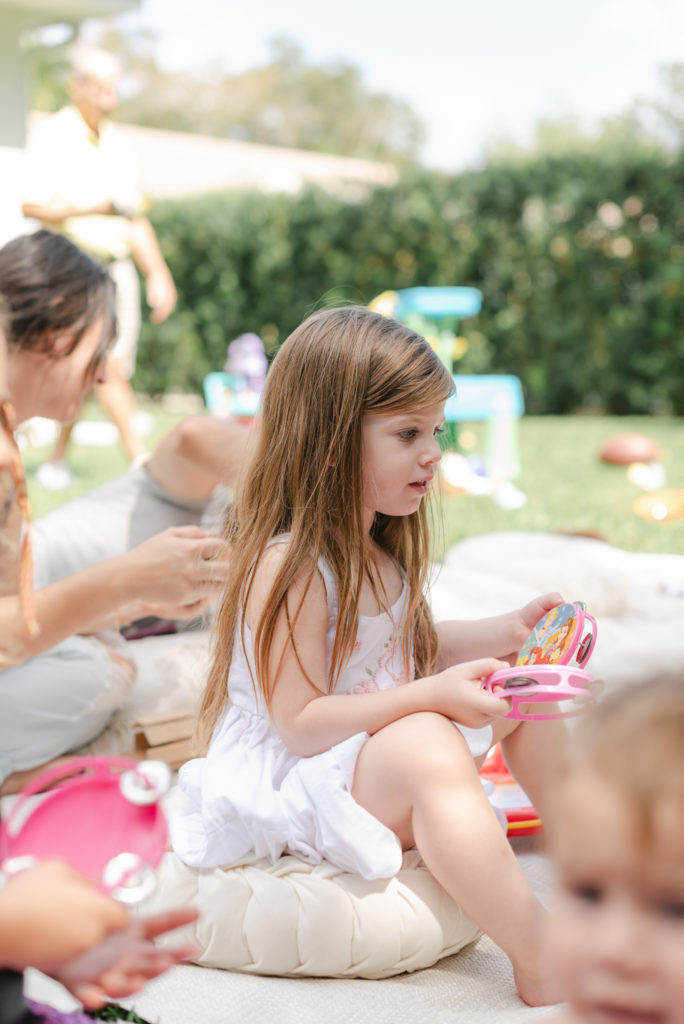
(462, 697)
(125, 961)
(50, 914)
(181, 566)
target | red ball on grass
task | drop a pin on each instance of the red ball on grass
(623, 449)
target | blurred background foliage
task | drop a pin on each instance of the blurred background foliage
(576, 241)
(580, 258)
(288, 101)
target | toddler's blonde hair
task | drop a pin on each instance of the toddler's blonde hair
(634, 740)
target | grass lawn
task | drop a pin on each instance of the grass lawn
(567, 486)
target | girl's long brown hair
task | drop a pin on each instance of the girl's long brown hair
(305, 479)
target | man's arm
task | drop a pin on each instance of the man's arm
(160, 289)
(53, 213)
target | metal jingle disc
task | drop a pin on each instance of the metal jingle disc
(147, 783)
(129, 878)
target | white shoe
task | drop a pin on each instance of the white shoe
(508, 496)
(55, 476)
(142, 422)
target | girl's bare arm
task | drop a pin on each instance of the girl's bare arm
(309, 720)
(500, 636)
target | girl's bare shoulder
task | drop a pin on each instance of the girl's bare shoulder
(305, 584)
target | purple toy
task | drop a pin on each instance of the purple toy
(247, 358)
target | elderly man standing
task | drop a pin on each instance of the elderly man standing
(82, 181)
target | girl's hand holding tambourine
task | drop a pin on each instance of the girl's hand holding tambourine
(528, 616)
(459, 693)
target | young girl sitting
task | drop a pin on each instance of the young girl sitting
(617, 838)
(317, 748)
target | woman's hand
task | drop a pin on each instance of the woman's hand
(173, 575)
(459, 693)
(180, 568)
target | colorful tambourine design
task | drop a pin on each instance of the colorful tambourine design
(563, 636)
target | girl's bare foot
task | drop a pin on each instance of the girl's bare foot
(535, 986)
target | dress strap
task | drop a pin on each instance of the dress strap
(325, 571)
(330, 586)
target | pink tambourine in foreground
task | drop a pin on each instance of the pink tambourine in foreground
(551, 666)
(571, 688)
(102, 815)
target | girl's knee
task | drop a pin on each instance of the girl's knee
(431, 727)
(436, 746)
(408, 762)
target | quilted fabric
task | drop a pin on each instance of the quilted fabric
(295, 919)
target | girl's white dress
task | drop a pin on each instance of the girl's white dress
(251, 796)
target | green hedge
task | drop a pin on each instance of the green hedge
(580, 259)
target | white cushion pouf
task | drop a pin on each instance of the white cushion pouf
(296, 919)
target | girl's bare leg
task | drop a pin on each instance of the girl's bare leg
(533, 752)
(434, 800)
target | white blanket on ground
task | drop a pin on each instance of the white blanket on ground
(637, 599)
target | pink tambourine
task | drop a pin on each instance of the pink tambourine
(548, 668)
(565, 635)
(572, 688)
(102, 815)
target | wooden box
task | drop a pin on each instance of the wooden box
(166, 737)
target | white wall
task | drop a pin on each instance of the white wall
(13, 99)
(11, 178)
(17, 15)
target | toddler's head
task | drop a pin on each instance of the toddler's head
(617, 840)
